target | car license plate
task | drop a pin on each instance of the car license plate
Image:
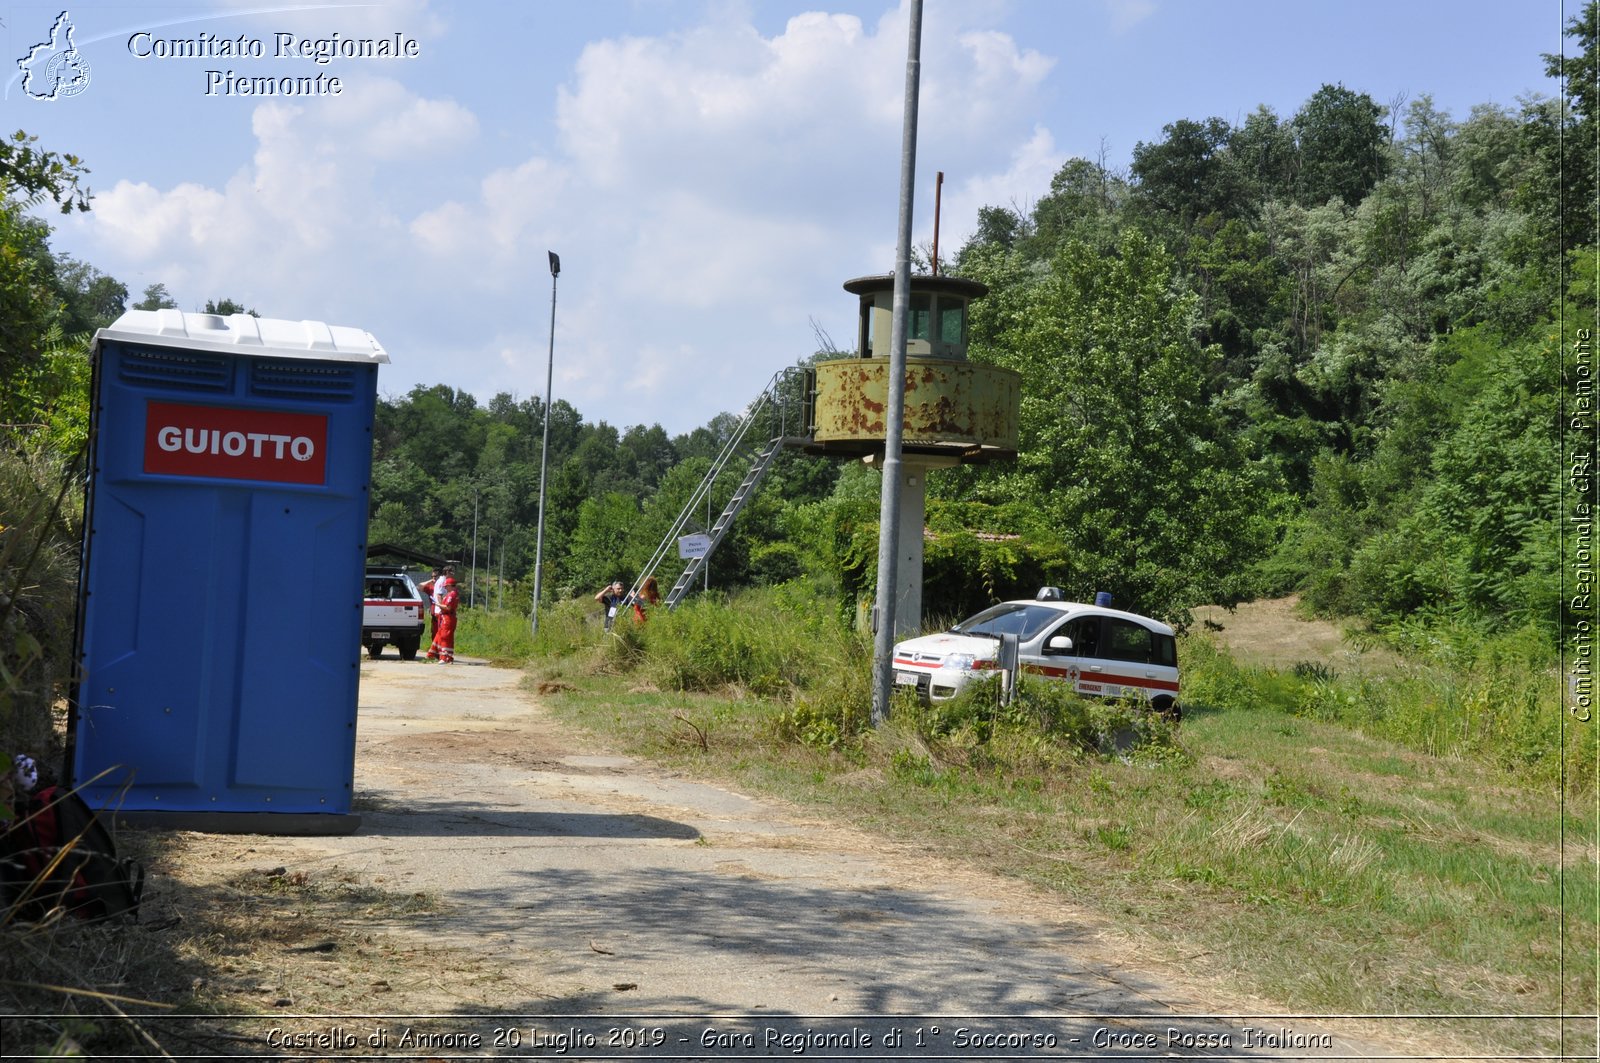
(379, 635)
(906, 679)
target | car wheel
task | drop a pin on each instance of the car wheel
(374, 650)
(408, 650)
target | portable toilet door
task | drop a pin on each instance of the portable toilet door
(219, 619)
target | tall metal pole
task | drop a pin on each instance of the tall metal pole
(544, 451)
(889, 503)
(472, 573)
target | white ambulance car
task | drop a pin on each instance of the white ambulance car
(1101, 651)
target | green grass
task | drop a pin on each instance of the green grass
(1311, 858)
(500, 636)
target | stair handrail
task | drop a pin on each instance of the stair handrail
(769, 396)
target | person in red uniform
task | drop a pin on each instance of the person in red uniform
(446, 598)
(428, 608)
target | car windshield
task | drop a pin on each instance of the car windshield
(1022, 619)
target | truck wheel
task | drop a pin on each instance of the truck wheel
(408, 650)
(374, 650)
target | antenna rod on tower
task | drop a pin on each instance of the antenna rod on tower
(938, 191)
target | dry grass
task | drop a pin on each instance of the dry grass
(261, 940)
(1278, 633)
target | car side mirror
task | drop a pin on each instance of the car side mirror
(1060, 644)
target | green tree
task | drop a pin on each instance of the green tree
(1342, 146)
(603, 545)
(1085, 201)
(29, 308)
(1263, 158)
(156, 297)
(225, 307)
(650, 453)
(92, 300)
(1478, 544)
(1119, 444)
(999, 227)
(32, 174)
(1186, 176)
(47, 303)
(1571, 159)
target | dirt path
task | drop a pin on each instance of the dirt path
(505, 878)
(1274, 633)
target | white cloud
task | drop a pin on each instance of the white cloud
(713, 106)
(691, 251)
(998, 63)
(1033, 164)
(144, 223)
(390, 123)
(515, 206)
(315, 198)
(1126, 14)
(708, 189)
(349, 18)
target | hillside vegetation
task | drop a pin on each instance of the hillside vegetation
(1331, 354)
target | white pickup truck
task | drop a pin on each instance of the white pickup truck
(393, 611)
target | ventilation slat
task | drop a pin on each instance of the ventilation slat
(328, 383)
(183, 370)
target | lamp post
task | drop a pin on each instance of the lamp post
(544, 450)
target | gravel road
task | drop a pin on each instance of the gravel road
(594, 906)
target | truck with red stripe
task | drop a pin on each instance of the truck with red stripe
(393, 612)
(1102, 652)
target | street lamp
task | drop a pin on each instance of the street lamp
(544, 451)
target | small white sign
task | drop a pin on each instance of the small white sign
(693, 546)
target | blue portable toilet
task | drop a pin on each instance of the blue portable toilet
(219, 614)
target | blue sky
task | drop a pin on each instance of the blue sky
(710, 172)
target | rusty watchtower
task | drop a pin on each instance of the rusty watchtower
(956, 412)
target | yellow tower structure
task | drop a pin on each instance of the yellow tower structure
(956, 412)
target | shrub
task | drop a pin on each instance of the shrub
(770, 641)
(1496, 698)
(835, 710)
(39, 515)
(775, 563)
(567, 628)
(1045, 722)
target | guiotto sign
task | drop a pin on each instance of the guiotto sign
(224, 443)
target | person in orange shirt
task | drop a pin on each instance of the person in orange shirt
(649, 594)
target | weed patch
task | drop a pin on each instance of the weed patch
(1495, 701)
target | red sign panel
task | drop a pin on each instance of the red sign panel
(226, 443)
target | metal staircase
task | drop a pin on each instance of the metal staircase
(780, 408)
